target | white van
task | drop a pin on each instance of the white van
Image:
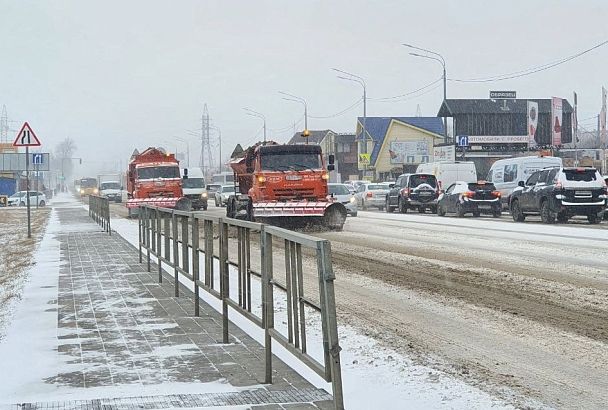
(449, 172)
(194, 187)
(505, 174)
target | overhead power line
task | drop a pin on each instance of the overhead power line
(350, 107)
(407, 93)
(531, 70)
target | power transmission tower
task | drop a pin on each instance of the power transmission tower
(206, 159)
(4, 125)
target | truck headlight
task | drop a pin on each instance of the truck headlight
(95, 190)
(82, 191)
(204, 195)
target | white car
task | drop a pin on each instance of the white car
(19, 199)
(342, 194)
(372, 195)
(222, 195)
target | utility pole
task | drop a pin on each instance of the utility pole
(249, 111)
(205, 143)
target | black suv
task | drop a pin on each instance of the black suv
(413, 191)
(560, 193)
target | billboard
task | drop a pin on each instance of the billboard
(532, 122)
(556, 121)
(446, 153)
(409, 152)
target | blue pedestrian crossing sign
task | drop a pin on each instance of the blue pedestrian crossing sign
(37, 159)
(462, 140)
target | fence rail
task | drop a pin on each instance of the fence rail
(200, 247)
(99, 210)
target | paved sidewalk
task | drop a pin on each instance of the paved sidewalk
(117, 326)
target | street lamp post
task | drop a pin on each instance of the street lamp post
(302, 101)
(361, 82)
(249, 111)
(439, 58)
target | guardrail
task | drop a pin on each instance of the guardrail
(178, 239)
(99, 210)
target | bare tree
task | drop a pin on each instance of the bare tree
(63, 154)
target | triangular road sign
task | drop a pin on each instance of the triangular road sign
(26, 137)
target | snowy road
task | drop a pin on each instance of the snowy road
(520, 310)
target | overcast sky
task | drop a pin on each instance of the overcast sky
(119, 75)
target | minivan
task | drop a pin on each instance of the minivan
(506, 173)
(449, 172)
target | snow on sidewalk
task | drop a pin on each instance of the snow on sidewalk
(111, 331)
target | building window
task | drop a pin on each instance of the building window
(343, 147)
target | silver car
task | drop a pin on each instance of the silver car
(372, 195)
(222, 195)
(341, 193)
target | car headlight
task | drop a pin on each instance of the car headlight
(204, 195)
(352, 199)
(82, 191)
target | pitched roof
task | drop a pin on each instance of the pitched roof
(315, 137)
(450, 107)
(376, 128)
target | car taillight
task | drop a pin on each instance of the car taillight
(405, 191)
(468, 194)
(369, 194)
(496, 194)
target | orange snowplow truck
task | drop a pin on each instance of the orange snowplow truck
(153, 178)
(284, 184)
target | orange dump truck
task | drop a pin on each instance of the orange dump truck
(153, 178)
(284, 184)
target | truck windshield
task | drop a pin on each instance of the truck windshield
(88, 183)
(157, 172)
(110, 185)
(194, 183)
(290, 162)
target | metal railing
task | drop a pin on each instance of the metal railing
(99, 210)
(231, 249)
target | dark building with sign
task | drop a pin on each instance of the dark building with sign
(497, 128)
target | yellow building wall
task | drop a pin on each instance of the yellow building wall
(398, 131)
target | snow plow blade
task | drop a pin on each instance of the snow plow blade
(328, 214)
(181, 204)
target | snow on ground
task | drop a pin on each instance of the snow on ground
(373, 376)
(28, 354)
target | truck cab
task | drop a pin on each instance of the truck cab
(193, 185)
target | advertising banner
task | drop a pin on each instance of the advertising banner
(556, 121)
(409, 152)
(446, 153)
(532, 122)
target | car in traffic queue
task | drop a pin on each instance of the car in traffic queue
(222, 194)
(19, 199)
(372, 195)
(342, 194)
(413, 191)
(559, 193)
(475, 198)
